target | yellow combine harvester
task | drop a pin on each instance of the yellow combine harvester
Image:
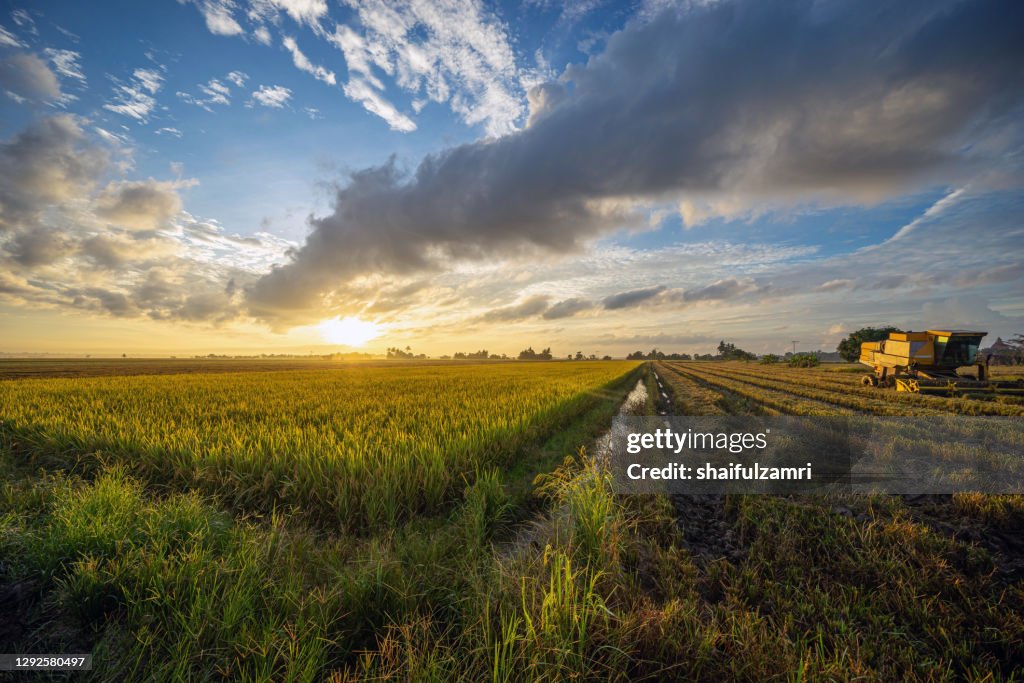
(927, 362)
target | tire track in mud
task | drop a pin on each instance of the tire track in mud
(725, 403)
(773, 396)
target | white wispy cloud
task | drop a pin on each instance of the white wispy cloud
(135, 99)
(262, 35)
(25, 21)
(66, 63)
(219, 16)
(359, 90)
(455, 52)
(303, 64)
(150, 79)
(169, 131)
(109, 137)
(275, 96)
(8, 39)
(214, 91)
(73, 37)
(303, 11)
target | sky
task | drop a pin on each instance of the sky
(293, 176)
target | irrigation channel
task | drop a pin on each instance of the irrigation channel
(526, 536)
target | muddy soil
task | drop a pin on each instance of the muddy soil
(1004, 540)
(707, 531)
(709, 536)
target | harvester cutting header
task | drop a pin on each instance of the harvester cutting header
(927, 362)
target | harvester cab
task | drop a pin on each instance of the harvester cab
(927, 362)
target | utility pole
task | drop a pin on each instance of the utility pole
(794, 343)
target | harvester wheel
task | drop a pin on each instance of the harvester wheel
(869, 381)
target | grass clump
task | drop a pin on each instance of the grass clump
(170, 588)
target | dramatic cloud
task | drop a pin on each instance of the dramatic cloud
(29, 77)
(784, 101)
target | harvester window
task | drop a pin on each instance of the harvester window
(960, 352)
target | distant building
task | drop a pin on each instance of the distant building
(1001, 353)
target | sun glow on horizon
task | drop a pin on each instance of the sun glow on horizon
(349, 331)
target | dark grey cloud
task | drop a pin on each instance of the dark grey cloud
(631, 298)
(28, 76)
(38, 247)
(48, 163)
(567, 308)
(785, 99)
(156, 293)
(992, 275)
(138, 205)
(719, 290)
(206, 306)
(101, 300)
(529, 307)
(728, 288)
(104, 251)
(885, 282)
(397, 297)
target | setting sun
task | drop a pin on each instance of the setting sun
(349, 331)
